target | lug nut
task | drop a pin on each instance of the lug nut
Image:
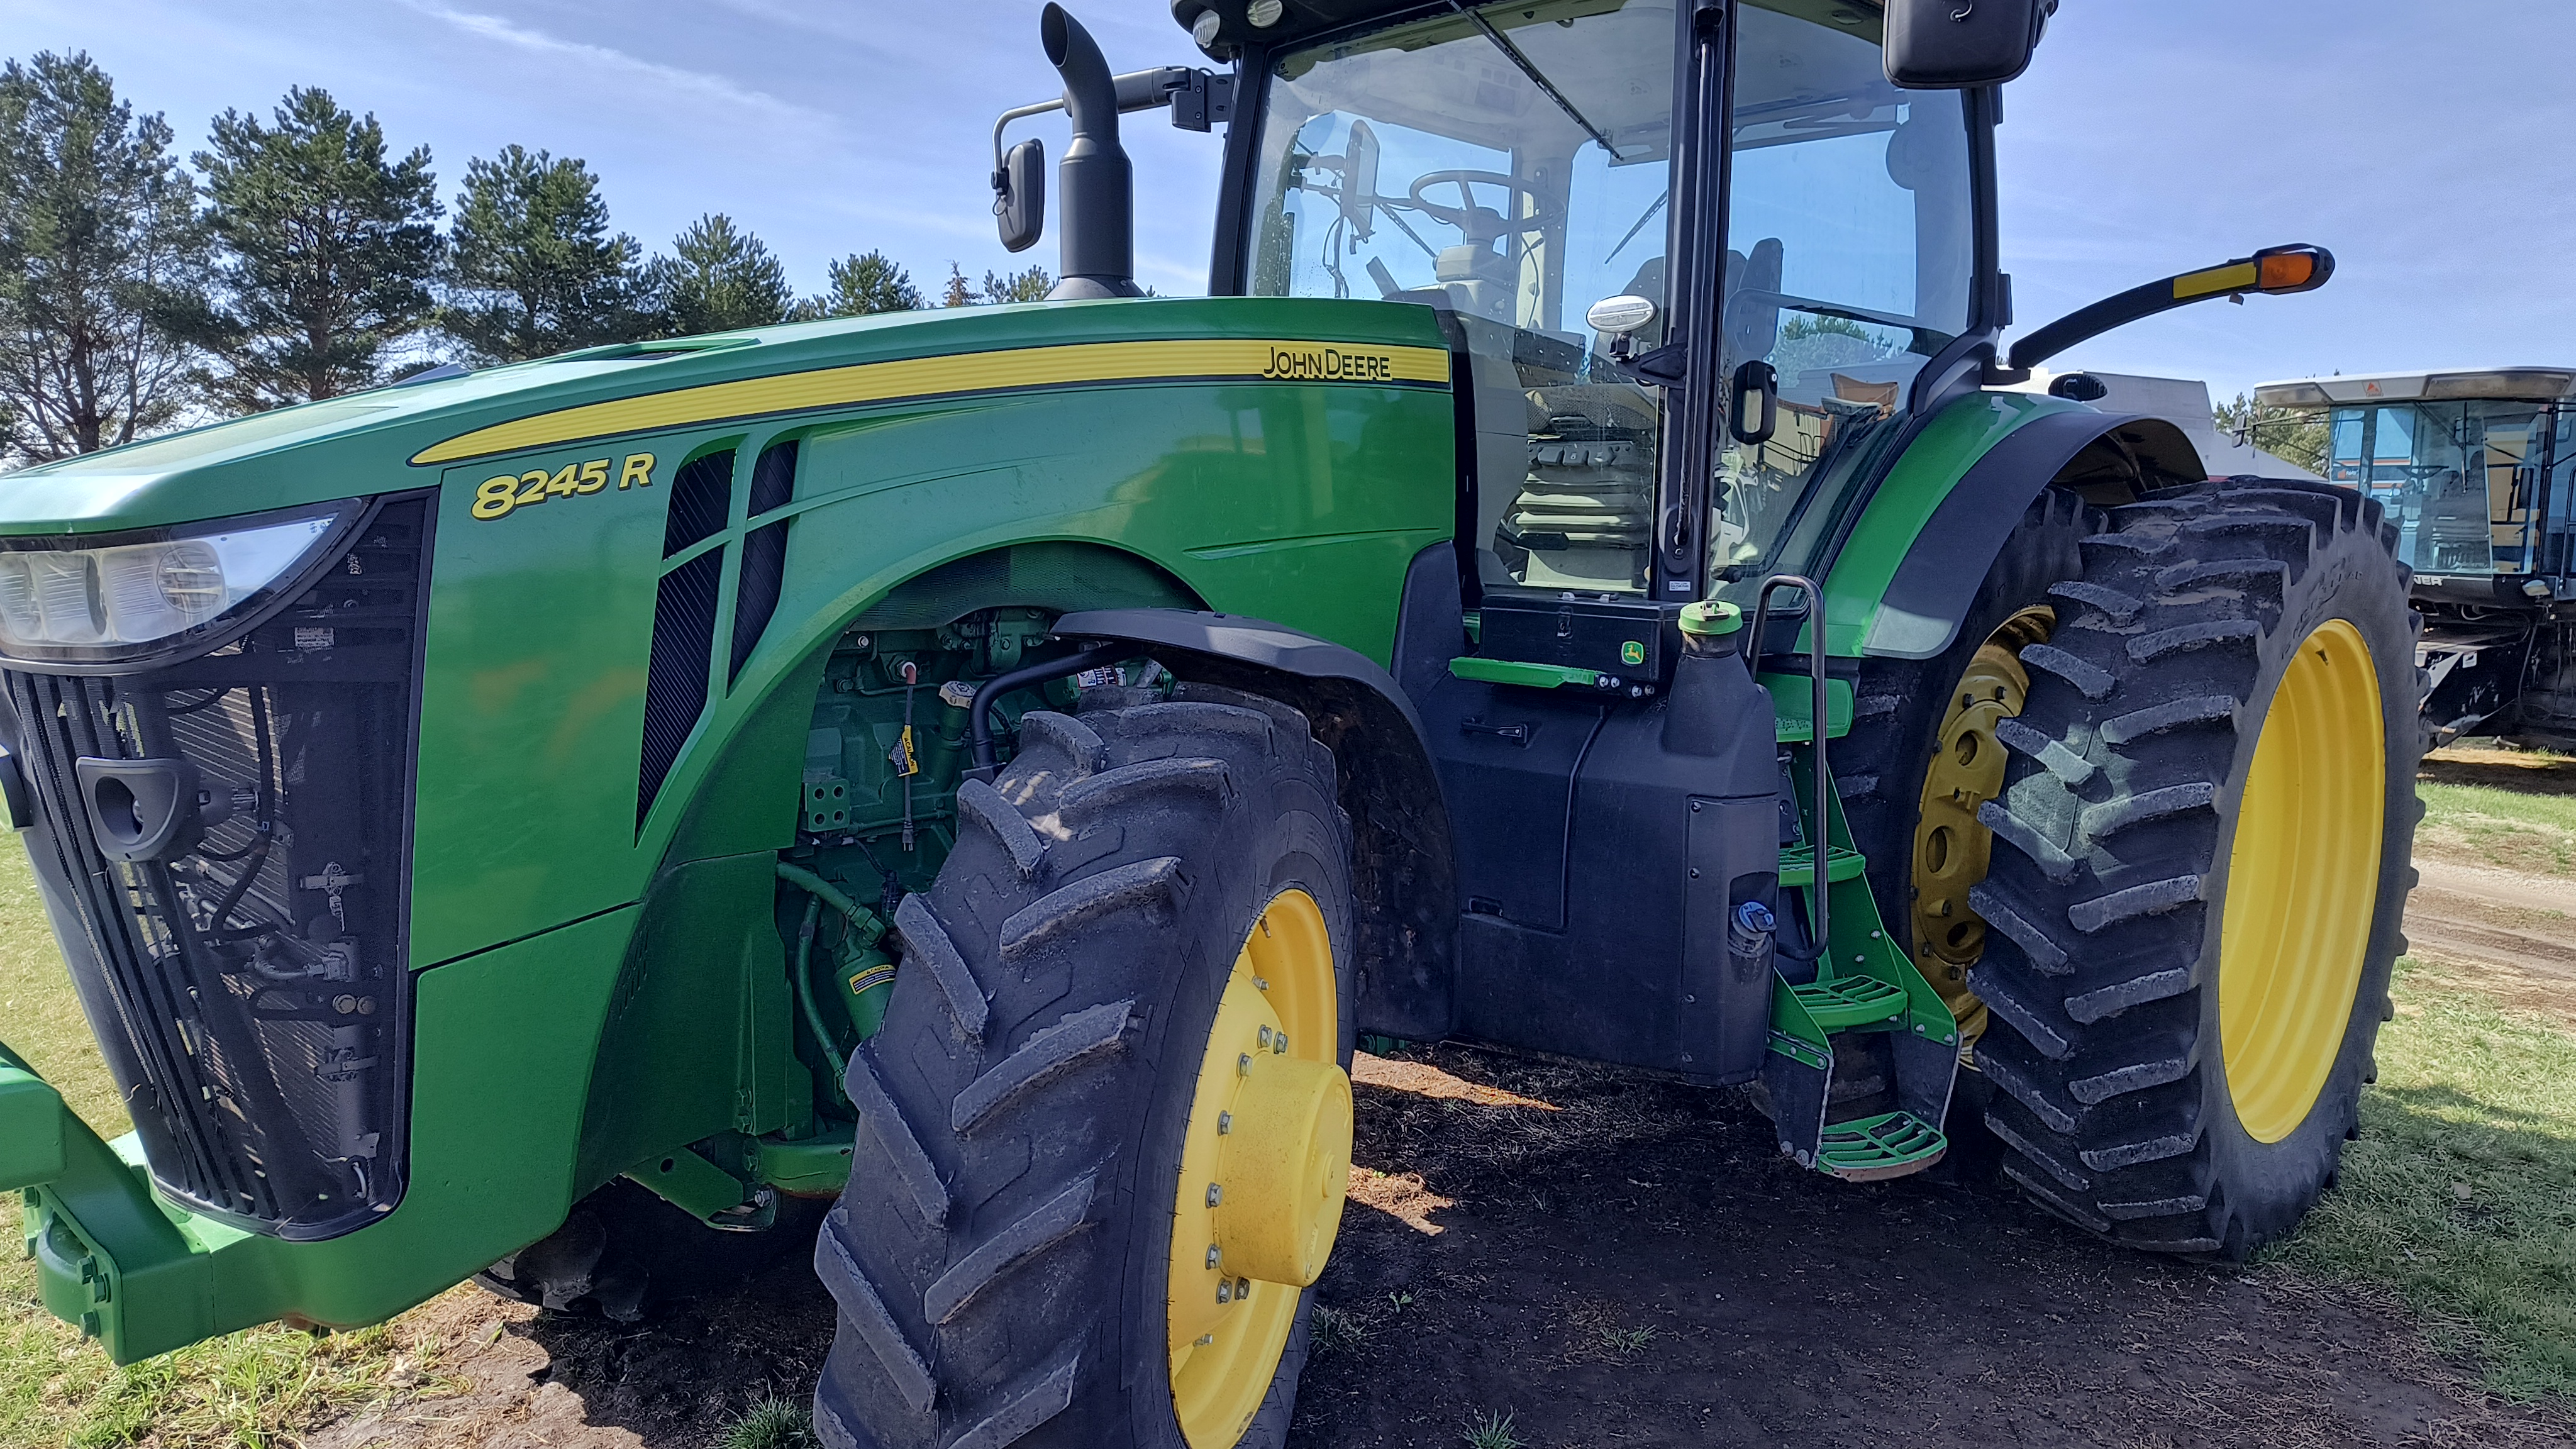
(1225, 1291)
(1224, 1123)
(1214, 1253)
(1279, 1043)
(1260, 983)
(1216, 1193)
(1242, 1289)
(1265, 1036)
(1243, 1064)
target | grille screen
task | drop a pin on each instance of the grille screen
(675, 682)
(250, 987)
(764, 554)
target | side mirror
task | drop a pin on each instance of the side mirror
(1019, 196)
(1359, 181)
(1948, 45)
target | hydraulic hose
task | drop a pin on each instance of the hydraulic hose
(865, 924)
(980, 713)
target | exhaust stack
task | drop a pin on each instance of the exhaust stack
(1098, 206)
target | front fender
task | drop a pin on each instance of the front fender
(1404, 871)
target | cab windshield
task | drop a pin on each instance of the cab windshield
(2475, 487)
(1513, 164)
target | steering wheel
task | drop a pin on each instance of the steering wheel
(1481, 225)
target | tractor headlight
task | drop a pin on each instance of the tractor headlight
(69, 602)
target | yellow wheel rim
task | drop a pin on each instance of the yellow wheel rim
(1952, 848)
(1263, 1170)
(2302, 882)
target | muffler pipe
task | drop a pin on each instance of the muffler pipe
(1098, 185)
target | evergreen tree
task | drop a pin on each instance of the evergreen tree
(1029, 286)
(2294, 435)
(718, 280)
(959, 292)
(97, 232)
(533, 268)
(330, 250)
(863, 285)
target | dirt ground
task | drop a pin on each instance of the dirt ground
(1611, 1259)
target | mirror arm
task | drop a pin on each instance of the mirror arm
(1142, 90)
(2233, 279)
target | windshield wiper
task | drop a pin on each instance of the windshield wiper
(1513, 53)
(1640, 226)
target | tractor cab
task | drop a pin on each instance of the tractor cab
(2477, 470)
(1531, 173)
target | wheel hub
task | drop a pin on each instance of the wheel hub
(1952, 847)
(1264, 1169)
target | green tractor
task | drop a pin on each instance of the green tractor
(952, 790)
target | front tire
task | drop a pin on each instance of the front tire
(2201, 862)
(1033, 1219)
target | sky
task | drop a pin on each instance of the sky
(2427, 145)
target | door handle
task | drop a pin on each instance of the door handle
(1517, 734)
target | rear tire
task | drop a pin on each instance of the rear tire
(2124, 1104)
(1001, 1255)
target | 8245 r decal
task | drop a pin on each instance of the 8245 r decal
(501, 496)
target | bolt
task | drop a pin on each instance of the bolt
(1224, 1123)
(1214, 1253)
(1243, 1064)
(344, 1004)
(1205, 1339)
(1688, 999)
(1279, 1043)
(1265, 1036)
(1260, 983)
(1242, 1289)
(1216, 1193)
(1694, 872)
(1225, 1290)
(1694, 807)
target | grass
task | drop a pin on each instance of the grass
(1331, 1330)
(1493, 1431)
(771, 1424)
(2507, 828)
(254, 1389)
(2460, 1195)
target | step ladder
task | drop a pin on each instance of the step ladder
(1861, 985)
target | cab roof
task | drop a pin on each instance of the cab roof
(2470, 384)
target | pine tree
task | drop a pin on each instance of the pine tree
(330, 249)
(1029, 286)
(97, 233)
(2293, 435)
(719, 279)
(863, 285)
(959, 292)
(533, 268)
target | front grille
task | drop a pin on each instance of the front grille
(252, 994)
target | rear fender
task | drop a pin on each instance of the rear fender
(1926, 539)
(1403, 871)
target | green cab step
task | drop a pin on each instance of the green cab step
(1892, 1144)
(1798, 865)
(1849, 1001)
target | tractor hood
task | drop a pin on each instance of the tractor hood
(401, 436)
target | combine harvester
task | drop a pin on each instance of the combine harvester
(2478, 470)
(1576, 584)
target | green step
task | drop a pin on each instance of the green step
(1851, 1001)
(1793, 706)
(1889, 1145)
(1798, 865)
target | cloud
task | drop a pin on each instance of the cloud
(711, 86)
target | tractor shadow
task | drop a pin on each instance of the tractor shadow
(1608, 1257)
(2527, 772)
